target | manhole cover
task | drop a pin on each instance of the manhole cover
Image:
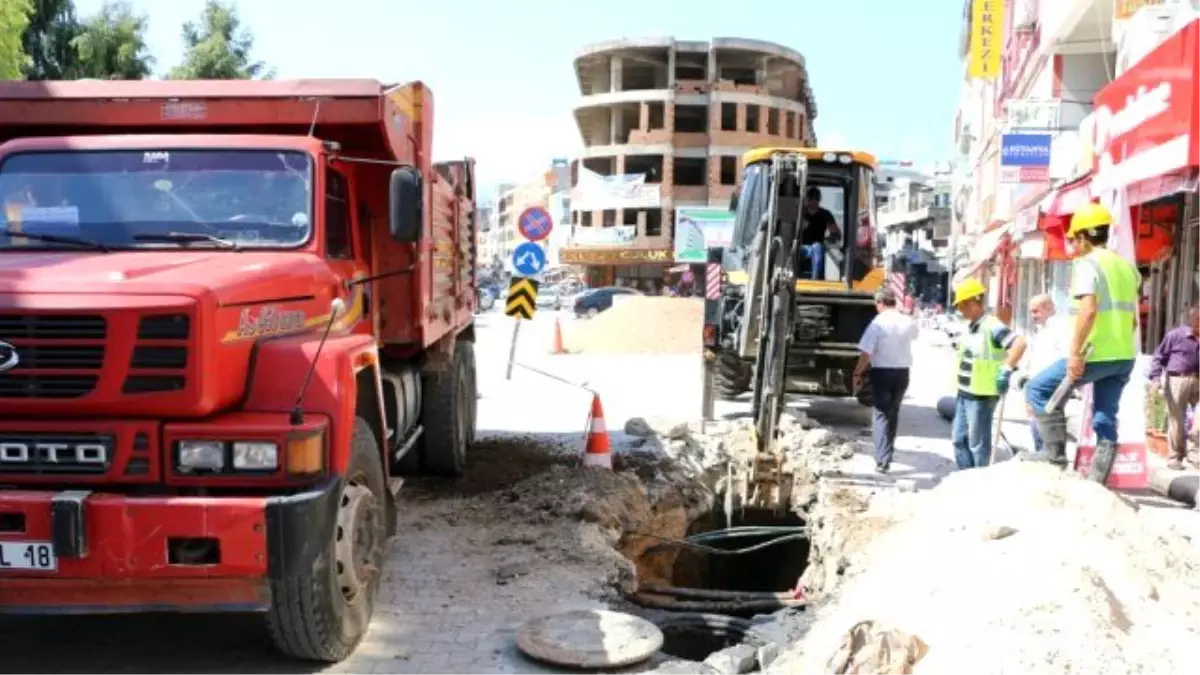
(589, 638)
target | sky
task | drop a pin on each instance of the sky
(885, 74)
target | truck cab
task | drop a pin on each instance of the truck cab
(232, 316)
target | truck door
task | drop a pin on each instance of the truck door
(340, 248)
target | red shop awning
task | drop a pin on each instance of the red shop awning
(1068, 197)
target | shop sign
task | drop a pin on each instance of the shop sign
(1143, 119)
(1028, 114)
(987, 34)
(1025, 158)
(699, 229)
(603, 236)
(625, 256)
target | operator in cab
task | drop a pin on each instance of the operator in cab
(819, 226)
(1102, 348)
(988, 354)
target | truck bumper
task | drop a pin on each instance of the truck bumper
(117, 553)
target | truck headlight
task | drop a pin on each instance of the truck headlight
(255, 456)
(201, 456)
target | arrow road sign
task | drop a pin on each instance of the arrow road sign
(529, 259)
(535, 223)
(522, 298)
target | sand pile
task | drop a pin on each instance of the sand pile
(1017, 568)
(640, 325)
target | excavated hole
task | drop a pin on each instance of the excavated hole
(770, 569)
(695, 637)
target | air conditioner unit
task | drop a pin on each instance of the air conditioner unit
(1148, 28)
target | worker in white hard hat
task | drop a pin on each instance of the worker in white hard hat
(1104, 296)
(988, 353)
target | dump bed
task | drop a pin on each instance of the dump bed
(365, 118)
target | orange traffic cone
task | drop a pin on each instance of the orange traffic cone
(557, 346)
(597, 452)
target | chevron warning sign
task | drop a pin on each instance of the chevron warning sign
(522, 298)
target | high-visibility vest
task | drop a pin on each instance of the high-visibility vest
(1117, 282)
(979, 359)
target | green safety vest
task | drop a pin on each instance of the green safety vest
(979, 359)
(1117, 282)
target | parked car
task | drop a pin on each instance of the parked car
(550, 297)
(590, 303)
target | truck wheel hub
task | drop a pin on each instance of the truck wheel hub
(357, 540)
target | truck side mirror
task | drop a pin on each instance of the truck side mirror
(733, 199)
(405, 207)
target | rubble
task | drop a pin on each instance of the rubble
(1014, 568)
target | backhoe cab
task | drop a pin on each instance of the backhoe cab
(824, 316)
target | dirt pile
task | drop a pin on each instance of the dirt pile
(640, 325)
(1012, 569)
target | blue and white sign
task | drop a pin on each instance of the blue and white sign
(1025, 158)
(529, 259)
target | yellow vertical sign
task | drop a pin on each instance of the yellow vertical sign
(987, 32)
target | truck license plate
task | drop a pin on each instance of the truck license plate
(27, 555)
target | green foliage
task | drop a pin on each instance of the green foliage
(218, 48)
(112, 44)
(14, 18)
(47, 40)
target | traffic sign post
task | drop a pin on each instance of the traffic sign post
(529, 259)
(521, 304)
(535, 223)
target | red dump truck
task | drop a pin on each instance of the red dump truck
(232, 316)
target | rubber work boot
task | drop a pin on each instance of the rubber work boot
(1102, 461)
(1053, 427)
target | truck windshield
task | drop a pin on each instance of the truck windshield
(156, 198)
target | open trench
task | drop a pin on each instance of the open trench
(703, 575)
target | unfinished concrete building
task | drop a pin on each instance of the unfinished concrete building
(679, 113)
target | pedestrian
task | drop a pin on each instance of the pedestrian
(1175, 370)
(1047, 343)
(988, 353)
(1104, 293)
(886, 347)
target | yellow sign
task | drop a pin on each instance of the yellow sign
(522, 298)
(987, 38)
(1124, 9)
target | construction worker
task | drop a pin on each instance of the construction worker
(1104, 292)
(988, 353)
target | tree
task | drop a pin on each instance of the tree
(218, 48)
(47, 40)
(111, 45)
(14, 18)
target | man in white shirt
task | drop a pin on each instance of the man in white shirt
(1048, 342)
(886, 348)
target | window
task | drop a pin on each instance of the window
(751, 205)
(654, 115)
(789, 124)
(728, 117)
(654, 222)
(728, 170)
(338, 244)
(585, 219)
(610, 218)
(772, 121)
(691, 119)
(752, 121)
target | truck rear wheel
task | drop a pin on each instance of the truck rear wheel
(731, 375)
(323, 614)
(448, 413)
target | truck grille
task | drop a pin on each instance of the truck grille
(46, 343)
(159, 367)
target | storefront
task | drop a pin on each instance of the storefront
(1147, 150)
(642, 268)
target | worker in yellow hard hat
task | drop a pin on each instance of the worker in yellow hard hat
(988, 353)
(1104, 294)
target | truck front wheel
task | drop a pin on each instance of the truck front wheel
(322, 615)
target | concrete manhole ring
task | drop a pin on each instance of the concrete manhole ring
(590, 638)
